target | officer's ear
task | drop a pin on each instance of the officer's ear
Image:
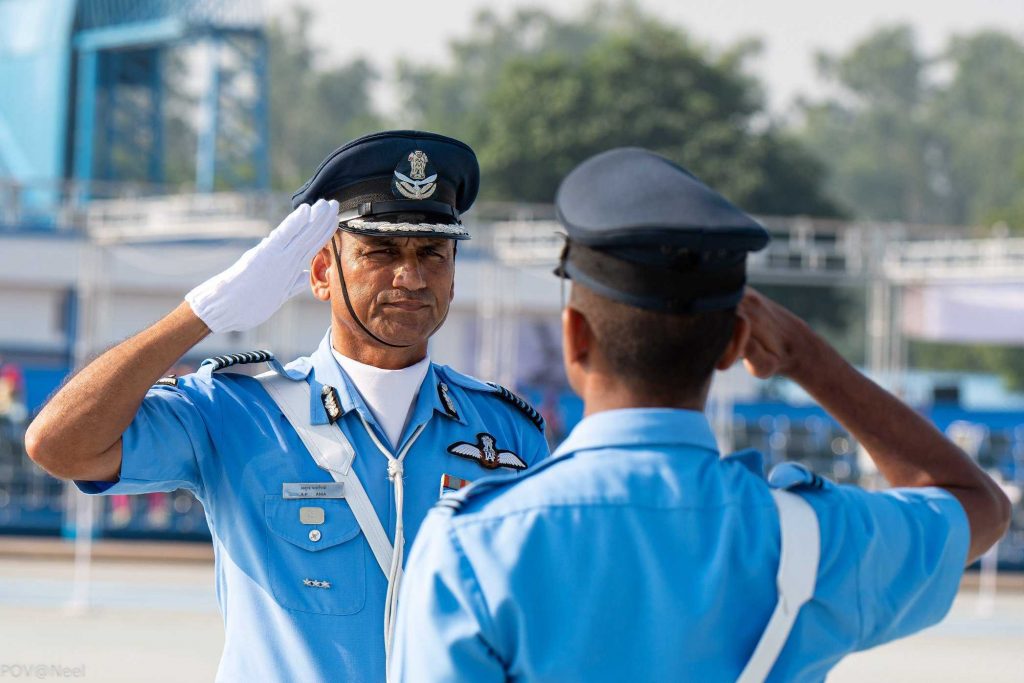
(320, 273)
(738, 342)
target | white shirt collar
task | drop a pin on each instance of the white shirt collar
(389, 394)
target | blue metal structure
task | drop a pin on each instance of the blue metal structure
(35, 54)
(121, 49)
(85, 87)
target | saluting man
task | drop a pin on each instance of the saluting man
(637, 553)
(314, 475)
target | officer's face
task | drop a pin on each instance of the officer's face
(400, 287)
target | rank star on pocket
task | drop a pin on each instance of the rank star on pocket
(486, 453)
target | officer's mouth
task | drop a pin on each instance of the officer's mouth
(409, 305)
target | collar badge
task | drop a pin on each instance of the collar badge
(446, 400)
(332, 404)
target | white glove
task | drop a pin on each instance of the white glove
(250, 291)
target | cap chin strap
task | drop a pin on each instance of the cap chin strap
(352, 312)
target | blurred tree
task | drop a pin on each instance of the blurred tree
(920, 139)
(313, 109)
(980, 115)
(536, 95)
(1005, 361)
(875, 134)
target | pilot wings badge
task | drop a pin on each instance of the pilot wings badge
(417, 184)
(486, 453)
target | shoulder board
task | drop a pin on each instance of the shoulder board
(464, 381)
(168, 381)
(218, 363)
(793, 475)
(468, 382)
(525, 408)
(457, 501)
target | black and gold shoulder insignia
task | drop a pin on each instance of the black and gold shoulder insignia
(226, 361)
(168, 381)
(525, 408)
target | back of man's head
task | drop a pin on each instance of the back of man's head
(666, 358)
(657, 261)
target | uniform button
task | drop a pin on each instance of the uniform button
(314, 535)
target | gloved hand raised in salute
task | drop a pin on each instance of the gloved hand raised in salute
(266, 276)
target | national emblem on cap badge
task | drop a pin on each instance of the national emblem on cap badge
(417, 184)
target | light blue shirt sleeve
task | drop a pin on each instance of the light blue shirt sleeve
(161, 449)
(443, 622)
(910, 548)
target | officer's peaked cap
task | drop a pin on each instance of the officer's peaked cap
(404, 182)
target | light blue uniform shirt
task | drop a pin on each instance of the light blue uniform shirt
(221, 436)
(636, 553)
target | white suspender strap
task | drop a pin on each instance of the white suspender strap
(332, 452)
(798, 572)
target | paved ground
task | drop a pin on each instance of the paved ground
(160, 623)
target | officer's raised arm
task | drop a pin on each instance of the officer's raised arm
(78, 433)
(908, 450)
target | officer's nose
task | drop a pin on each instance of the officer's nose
(409, 274)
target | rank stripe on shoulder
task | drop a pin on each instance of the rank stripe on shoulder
(525, 408)
(220, 362)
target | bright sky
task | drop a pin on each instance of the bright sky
(793, 30)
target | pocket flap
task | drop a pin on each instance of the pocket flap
(339, 523)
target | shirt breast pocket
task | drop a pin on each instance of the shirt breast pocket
(317, 567)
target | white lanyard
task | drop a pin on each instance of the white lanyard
(396, 471)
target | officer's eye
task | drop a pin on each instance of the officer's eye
(433, 253)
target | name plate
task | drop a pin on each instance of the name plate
(317, 489)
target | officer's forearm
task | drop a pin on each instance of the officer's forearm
(77, 435)
(908, 450)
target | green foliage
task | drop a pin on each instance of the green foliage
(927, 139)
(313, 109)
(1006, 361)
(535, 95)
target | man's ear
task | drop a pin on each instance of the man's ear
(320, 273)
(578, 336)
(737, 344)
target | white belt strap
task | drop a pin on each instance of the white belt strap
(798, 572)
(332, 452)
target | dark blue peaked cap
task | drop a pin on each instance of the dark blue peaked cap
(644, 231)
(401, 182)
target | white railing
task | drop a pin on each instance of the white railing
(994, 259)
